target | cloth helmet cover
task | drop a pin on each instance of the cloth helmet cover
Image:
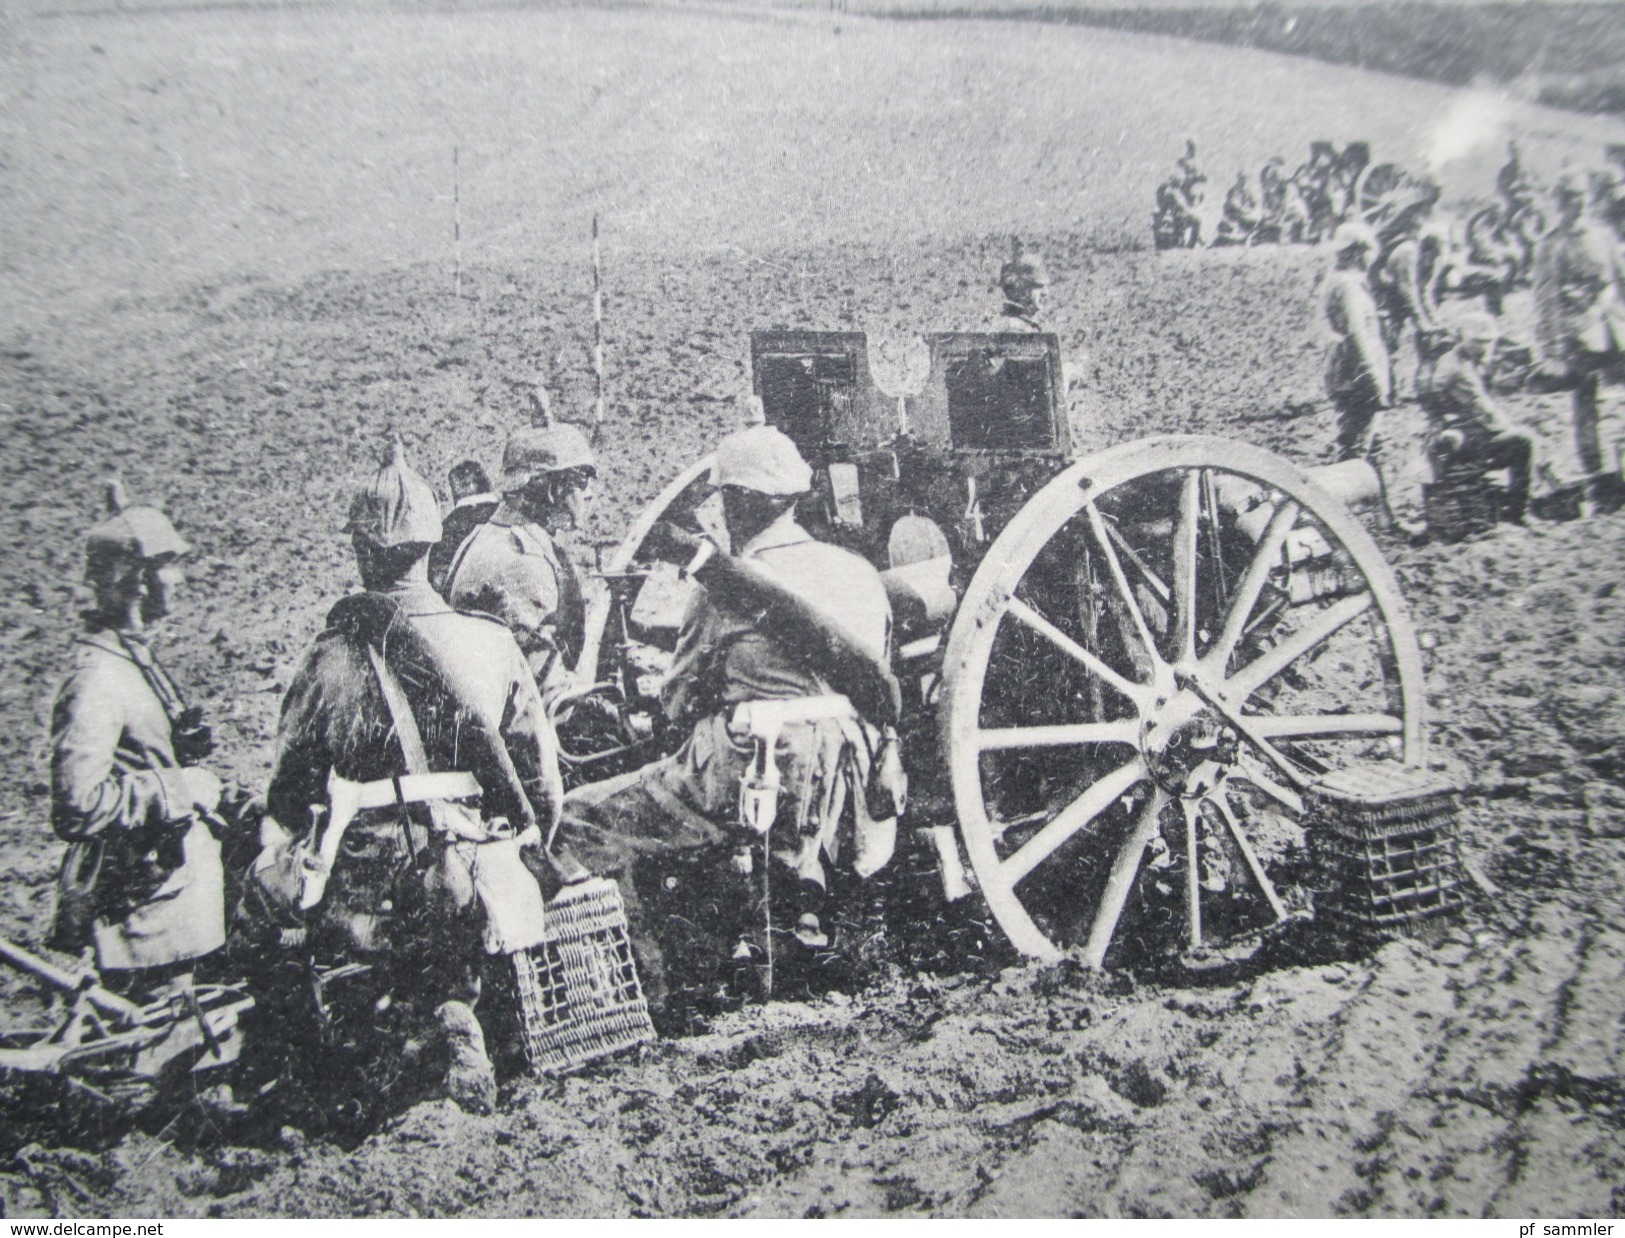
(134, 533)
(538, 450)
(396, 507)
(1352, 235)
(763, 459)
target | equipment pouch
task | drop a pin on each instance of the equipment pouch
(514, 916)
(886, 794)
(76, 895)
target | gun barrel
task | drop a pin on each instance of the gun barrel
(62, 978)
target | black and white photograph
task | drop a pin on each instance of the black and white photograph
(812, 609)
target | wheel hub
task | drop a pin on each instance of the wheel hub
(1186, 735)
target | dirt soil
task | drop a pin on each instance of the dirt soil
(1475, 1075)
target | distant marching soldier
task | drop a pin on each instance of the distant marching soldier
(1359, 374)
(513, 567)
(142, 880)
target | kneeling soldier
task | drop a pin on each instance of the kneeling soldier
(437, 711)
(1467, 428)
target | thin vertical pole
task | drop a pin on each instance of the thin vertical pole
(457, 223)
(597, 327)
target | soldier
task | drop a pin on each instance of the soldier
(472, 503)
(1580, 327)
(1025, 285)
(401, 684)
(142, 880)
(1359, 375)
(512, 565)
(1400, 278)
(1468, 430)
(821, 624)
(1241, 216)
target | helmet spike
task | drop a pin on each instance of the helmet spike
(113, 495)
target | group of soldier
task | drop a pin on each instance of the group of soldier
(1301, 207)
(433, 691)
(1386, 289)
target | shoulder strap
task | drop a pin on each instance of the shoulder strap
(400, 713)
(163, 687)
(366, 618)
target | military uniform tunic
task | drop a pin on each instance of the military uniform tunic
(1454, 398)
(1579, 288)
(142, 879)
(466, 515)
(513, 569)
(723, 658)
(1358, 370)
(1579, 298)
(334, 716)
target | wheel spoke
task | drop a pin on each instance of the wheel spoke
(1252, 770)
(1100, 796)
(1182, 647)
(1121, 880)
(1193, 872)
(1256, 674)
(1152, 580)
(1303, 726)
(1124, 731)
(1221, 802)
(1098, 525)
(1066, 644)
(1258, 572)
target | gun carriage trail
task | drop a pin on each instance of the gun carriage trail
(229, 264)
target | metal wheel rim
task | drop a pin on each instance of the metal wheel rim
(987, 599)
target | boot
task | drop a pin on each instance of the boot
(470, 1081)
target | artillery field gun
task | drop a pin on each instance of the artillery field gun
(1122, 673)
(1128, 682)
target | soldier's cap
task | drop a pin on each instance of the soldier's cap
(1570, 185)
(133, 532)
(763, 459)
(1478, 327)
(1024, 271)
(538, 450)
(1353, 235)
(396, 507)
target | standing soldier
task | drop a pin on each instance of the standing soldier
(1359, 375)
(402, 691)
(1400, 279)
(1025, 285)
(512, 566)
(142, 880)
(472, 503)
(1580, 328)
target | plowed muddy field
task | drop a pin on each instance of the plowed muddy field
(247, 383)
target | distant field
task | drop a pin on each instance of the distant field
(1567, 55)
(156, 150)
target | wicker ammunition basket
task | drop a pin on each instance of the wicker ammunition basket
(579, 996)
(1388, 847)
(1460, 505)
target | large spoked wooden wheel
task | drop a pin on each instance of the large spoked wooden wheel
(1156, 656)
